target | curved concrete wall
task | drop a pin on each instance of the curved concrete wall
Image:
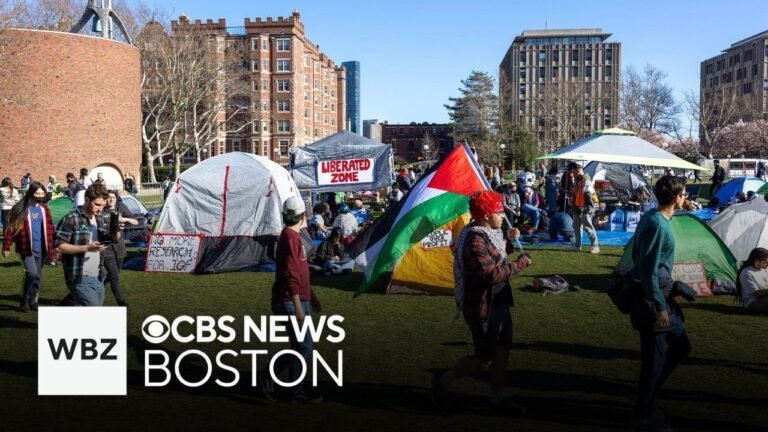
(67, 101)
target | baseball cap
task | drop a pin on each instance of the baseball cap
(294, 206)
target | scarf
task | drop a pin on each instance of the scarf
(497, 239)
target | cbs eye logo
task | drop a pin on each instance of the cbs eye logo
(156, 329)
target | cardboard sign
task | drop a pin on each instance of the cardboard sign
(345, 171)
(437, 238)
(694, 275)
(172, 253)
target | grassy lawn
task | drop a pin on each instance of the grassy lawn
(574, 364)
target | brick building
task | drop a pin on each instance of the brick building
(408, 140)
(297, 92)
(561, 84)
(68, 101)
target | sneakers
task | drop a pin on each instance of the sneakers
(574, 249)
(305, 398)
(267, 386)
(506, 407)
(437, 392)
(595, 249)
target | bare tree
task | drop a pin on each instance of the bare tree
(428, 146)
(711, 115)
(563, 110)
(647, 101)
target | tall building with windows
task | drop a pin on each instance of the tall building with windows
(734, 84)
(561, 84)
(353, 96)
(297, 93)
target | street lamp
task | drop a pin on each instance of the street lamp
(204, 151)
(277, 152)
(426, 152)
(502, 146)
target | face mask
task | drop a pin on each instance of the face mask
(38, 199)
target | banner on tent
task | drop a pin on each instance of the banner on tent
(172, 253)
(693, 274)
(437, 238)
(345, 171)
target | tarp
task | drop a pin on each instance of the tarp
(59, 208)
(738, 184)
(234, 201)
(619, 146)
(743, 227)
(342, 162)
(694, 242)
(624, 178)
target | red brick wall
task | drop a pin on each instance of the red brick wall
(68, 101)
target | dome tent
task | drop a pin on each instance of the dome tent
(738, 184)
(234, 202)
(743, 227)
(623, 178)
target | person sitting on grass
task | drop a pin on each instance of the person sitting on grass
(330, 255)
(317, 223)
(561, 227)
(346, 221)
(752, 283)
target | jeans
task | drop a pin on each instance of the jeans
(583, 218)
(113, 264)
(533, 213)
(33, 273)
(660, 354)
(89, 291)
(303, 347)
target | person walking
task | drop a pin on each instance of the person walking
(583, 208)
(717, 178)
(655, 314)
(484, 296)
(30, 226)
(115, 252)
(9, 196)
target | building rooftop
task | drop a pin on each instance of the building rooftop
(760, 35)
(562, 33)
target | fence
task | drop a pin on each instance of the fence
(151, 194)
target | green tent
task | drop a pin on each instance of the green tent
(695, 242)
(59, 207)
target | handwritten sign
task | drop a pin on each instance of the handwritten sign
(173, 253)
(694, 275)
(345, 171)
(437, 238)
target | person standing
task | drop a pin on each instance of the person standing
(30, 226)
(129, 184)
(292, 296)
(583, 208)
(760, 171)
(484, 296)
(115, 252)
(77, 239)
(9, 196)
(395, 195)
(655, 315)
(54, 188)
(717, 178)
(73, 186)
(551, 189)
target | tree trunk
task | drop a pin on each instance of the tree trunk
(176, 164)
(150, 166)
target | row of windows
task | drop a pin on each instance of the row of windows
(282, 85)
(555, 72)
(555, 55)
(283, 45)
(282, 65)
(563, 40)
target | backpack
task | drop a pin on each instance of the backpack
(551, 285)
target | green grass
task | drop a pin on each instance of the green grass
(574, 364)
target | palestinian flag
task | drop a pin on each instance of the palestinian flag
(438, 197)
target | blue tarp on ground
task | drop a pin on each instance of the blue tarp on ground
(604, 238)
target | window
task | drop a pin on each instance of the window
(255, 127)
(542, 72)
(265, 148)
(306, 114)
(265, 44)
(265, 65)
(588, 55)
(255, 146)
(708, 69)
(542, 57)
(306, 78)
(608, 71)
(575, 72)
(555, 56)
(555, 72)
(607, 120)
(265, 85)
(236, 146)
(522, 73)
(255, 86)
(306, 95)
(306, 60)
(522, 89)
(587, 104)
(746, 88)
(283, 106)
(221, 46)
(333, 107)
(265, 126)
(283, 65)
(522, 57)
(608, 55)
(317, 84)
(283, 45)
(283, 85)
(748, 55)
(588, 71)
(254, 65)
(306, 131)
(265, 106)
(221, 147)
(254, 44)
(575, 55)
(283, 125)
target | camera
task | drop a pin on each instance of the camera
(114, 228)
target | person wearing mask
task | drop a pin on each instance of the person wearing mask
(9, 196)
(655, 315)
(78, 240)
(752, 283)
(30, 226)
(484, 297)
(115, 252)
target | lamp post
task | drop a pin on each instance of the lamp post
(277, 153)
(729, 165)
(426, 152)
(502, 146)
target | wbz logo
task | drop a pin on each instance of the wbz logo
(82, 351)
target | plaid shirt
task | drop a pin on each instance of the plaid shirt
(24, 237)
(75, 229)
(483, 269)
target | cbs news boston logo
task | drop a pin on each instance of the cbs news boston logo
(82, 351)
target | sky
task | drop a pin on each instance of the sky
(414, 54)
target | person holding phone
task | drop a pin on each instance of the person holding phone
(77, 239)
(114, 253)
(656, 316)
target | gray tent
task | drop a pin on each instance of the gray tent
(341, 162)
(622, 177)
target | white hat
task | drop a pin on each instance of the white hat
(294, 206)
